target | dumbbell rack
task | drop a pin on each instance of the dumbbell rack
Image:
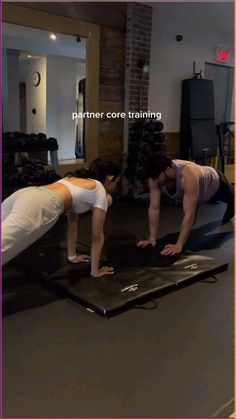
(139, 189)
(15, 149)
(138, 184)
(18, 151)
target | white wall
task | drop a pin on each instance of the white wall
(35, 95)
(14, 72)
(61, 102)
(172, 61)
(13, 96)
(54, 99)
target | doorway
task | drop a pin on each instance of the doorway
(44, 105)
(223, 80)
(13, 14)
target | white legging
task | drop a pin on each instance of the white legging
(26, 216)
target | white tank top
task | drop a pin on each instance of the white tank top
(85, 199)
(208, 185)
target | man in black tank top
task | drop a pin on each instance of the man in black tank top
(186, 182)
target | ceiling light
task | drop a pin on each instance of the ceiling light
(29, 56)
(53, 36)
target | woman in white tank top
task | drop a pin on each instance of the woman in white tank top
(30, 212)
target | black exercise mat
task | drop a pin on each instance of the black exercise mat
(44, 260)
(131, 284)
(189, 266)
(110, 293)
(176, 269)
(104, 294)
(146, 257)
(139, 273)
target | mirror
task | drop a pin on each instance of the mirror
(44, 82)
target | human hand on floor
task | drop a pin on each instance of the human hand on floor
(145, 243)
(171, 249)
(79, 258)
(105, 270)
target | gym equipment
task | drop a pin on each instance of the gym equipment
(33, 173)
(141, 174)
(131, 160)
(52, 143)
(146, 149)
(133, 148)
(223, 130)
(42, 136)
(159, 137)
(36, 146)
(152, 137)
(21, 142)
(197, 129)
(138, 126)
(159, 147)
(139, 274)
(152, 125)
(204, 140)
(148, 139)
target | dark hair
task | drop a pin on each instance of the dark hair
(98, 169)
(156, 164)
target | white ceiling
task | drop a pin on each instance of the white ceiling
(212, 16)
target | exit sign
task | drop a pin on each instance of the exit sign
(222, 54)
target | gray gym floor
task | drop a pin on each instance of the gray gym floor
(60, 360)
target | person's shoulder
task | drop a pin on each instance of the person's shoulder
(100, 192)
(100, 188)
(100, 197)
(153, 185)
(191, 169)
(190, 177)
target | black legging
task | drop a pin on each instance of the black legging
(225, 193)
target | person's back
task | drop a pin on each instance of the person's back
(208, 184)
(86, 194)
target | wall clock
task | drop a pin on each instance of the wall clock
(36, 78)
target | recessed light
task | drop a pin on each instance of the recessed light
(53, 36)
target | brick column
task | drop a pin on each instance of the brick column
(138, 48)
